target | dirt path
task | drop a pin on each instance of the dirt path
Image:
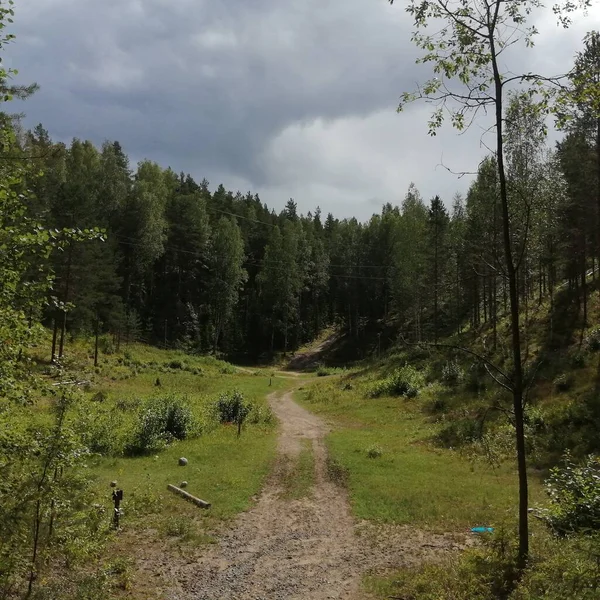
(309, 548)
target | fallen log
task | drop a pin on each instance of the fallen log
(184, 494)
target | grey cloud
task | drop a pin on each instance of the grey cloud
(216, 88)
(213, 80)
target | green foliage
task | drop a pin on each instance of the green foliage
(574, 491)
(405, 381)
(160, 421)
(487, 572)
(232, 407)
(374, 451)
(563, 383)
(178, 526)
(592, 340)
(460, 432)
(452, 373)
(558, 569)
(100, 430)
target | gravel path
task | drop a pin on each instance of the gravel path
(309, 548)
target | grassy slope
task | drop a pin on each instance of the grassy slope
(416, 481)
(411, 482)
(222, 468)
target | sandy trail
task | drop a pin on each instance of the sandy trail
(309, 548)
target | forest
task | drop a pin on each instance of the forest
(179, 266)
(476, 304)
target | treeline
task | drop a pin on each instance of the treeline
(220, 271)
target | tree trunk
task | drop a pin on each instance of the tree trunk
(435, 282)
(97, 327)
(66, 299)
(54, 336)
(523, 555)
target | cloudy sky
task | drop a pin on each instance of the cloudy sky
(287, 99)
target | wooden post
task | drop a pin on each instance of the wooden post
(117, 496)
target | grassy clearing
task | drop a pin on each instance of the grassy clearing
(298, 474)
(395, 475)
(224, 469)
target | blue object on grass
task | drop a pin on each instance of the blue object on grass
(482, 529)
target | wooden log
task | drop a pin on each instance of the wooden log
(184, 494)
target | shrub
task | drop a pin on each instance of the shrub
(178, 526)
(231, 407)
(106, 345)
(475, 378)
(175, 364)
(437, 405)
(574, 491)
(460, 432)
(260, 414)
(486, 572)
(452, 373)
(100, 396)
(592, 340)
(374, 451)
(99, 431)
(406, 381)
(563, 383)
(160, 422)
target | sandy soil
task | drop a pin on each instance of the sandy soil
(309, 548)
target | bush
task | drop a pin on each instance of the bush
(231, 407)
(592, 340)
(99, 430)
(260, 414)
(475, 378)
(406, 381)
(106, 345)
(563, 383)
(159, 423)
(452, 373)
(375, 451)
(460, 432)
(575, 494)
(100, 396)
(175, 364)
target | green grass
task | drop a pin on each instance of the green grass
(298, 474)
(411, 482)
(222, 469)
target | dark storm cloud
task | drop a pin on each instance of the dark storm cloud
(207, 83)
(284, 98)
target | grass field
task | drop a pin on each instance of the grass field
(223, 468)
(395, 474)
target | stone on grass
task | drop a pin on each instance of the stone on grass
(182, 461)
(183, 484)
